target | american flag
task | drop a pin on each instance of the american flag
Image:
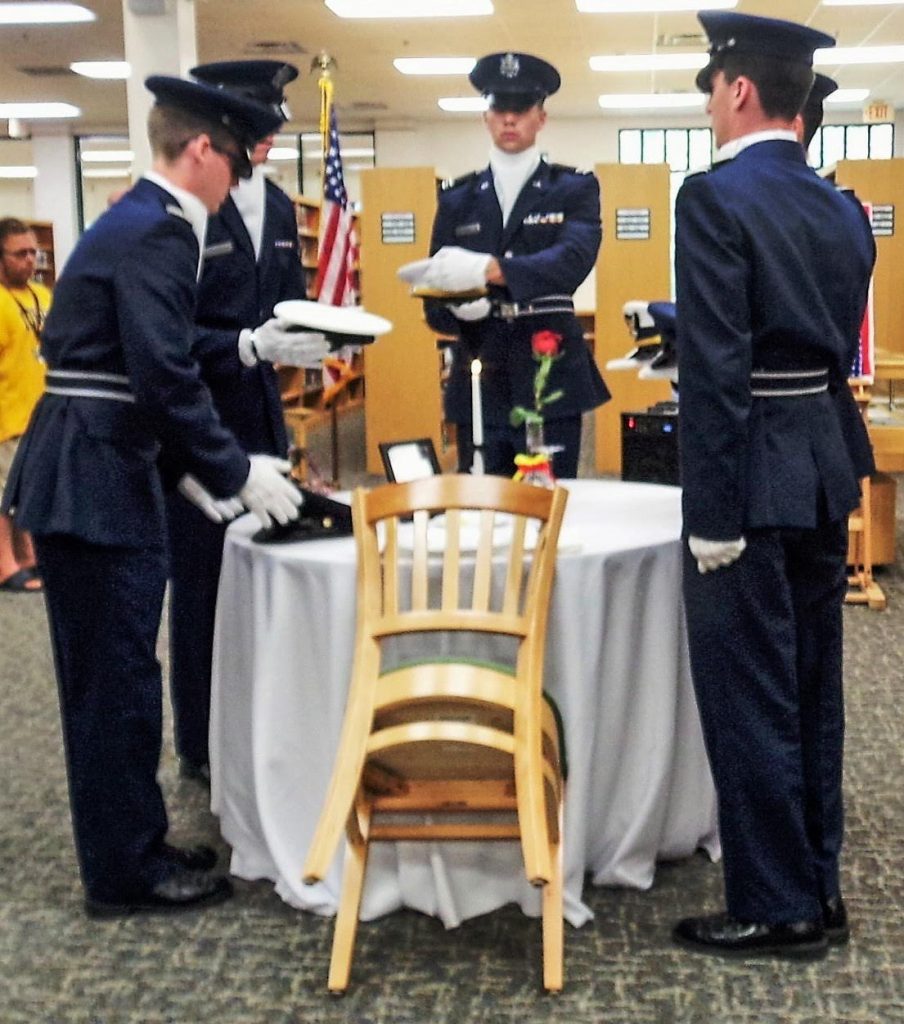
(336, 282)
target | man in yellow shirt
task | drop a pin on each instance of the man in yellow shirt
(23, 306)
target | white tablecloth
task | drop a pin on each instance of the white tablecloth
(639, 787)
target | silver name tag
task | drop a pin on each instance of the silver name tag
(218, 249)
(544, 218)
(467, 229)
(283, 243)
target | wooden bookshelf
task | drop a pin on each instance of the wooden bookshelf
(45, 268)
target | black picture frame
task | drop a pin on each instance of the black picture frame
(414, 459)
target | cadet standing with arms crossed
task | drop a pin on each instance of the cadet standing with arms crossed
(772, 267)
(122, 392)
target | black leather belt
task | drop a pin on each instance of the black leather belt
(788, 383)
(112, 387)
(536, 307)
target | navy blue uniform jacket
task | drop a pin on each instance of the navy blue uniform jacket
(773, 266)
(238, 290)
(548, 246)
(124, 305)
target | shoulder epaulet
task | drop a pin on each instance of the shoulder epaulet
(449, 183)
(176, 211)
(557, 169)
(696, 174)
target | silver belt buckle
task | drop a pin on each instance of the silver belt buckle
(508, 310)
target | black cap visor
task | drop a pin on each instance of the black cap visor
(514, 102)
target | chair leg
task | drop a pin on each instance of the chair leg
(554, 919)
(350, 900)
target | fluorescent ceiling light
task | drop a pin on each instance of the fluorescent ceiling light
(857, 3)
(18, 172)
(409, 8)
(434, 65)
(463, 104)
(282, 153)
(649, 6)
(107, 156)
(835, 55)
(649, 62)
(32, 111)
(107, 69)
(652, 101)
(43, 14)
(847, 96)
(107, 172)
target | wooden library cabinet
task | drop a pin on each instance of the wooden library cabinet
(45, 267)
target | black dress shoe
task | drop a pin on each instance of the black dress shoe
(182, 890)
(835, 921)
(722, 935)
(195, 858)
(199, 771)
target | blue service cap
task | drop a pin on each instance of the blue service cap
(730, 32)
(823, 87)
(258, 80)
(514, 81)
(664, 316)
(812, 111)
(245, 120)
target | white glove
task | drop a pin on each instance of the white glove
(276, 343)
(470, 312)
(454, 269)
(713, 554)
(268, 493)
(218, 510)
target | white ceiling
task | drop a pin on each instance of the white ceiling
(370, 93)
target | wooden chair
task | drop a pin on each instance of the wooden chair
(472, 743)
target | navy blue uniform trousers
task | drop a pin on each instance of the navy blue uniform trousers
(104, 606)
(765, 637)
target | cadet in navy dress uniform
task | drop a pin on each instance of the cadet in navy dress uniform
(531, 231)
(773, 267)
(123, 393)
(250, 263)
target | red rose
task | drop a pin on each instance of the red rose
(545, 343)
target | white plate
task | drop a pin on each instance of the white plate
(338, 319)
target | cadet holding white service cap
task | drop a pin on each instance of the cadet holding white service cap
(772, 267)
(124, 395)
(250, 263)
(527, 232)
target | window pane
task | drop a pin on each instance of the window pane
(881, 141)
(814, 153)
(676, 148)
(653, 146)
(832, 144)
(857, 142)
(701, 148)
(629, 146)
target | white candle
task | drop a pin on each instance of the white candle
(476, 405)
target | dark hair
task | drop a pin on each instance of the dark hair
(170, 129)
(12, 226)
(783, 86)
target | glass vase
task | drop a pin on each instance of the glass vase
(533, 436)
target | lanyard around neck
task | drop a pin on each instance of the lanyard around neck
(34, 318)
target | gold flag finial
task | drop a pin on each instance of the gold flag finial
(324, 63)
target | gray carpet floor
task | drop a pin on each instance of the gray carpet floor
(254, 960)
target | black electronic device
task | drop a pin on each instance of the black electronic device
(650, 445)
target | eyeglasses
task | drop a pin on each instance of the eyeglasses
(239, 163)
(20, 254)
